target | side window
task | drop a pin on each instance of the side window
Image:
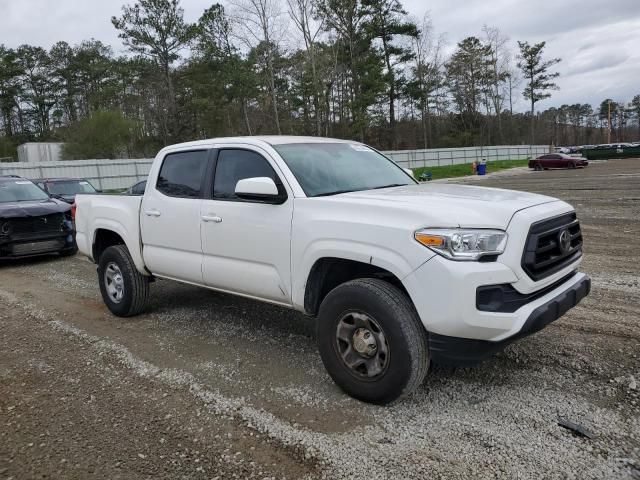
(234, 165)
(181, 174)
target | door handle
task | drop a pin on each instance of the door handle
(211, 218)
(152, 213)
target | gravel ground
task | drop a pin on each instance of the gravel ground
(208, 385)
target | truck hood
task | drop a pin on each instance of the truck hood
(446, 205)
(33, 208)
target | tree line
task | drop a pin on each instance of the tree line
(359, 69)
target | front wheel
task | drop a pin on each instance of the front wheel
(124, 289)
(572, 166)
(537, 167)
(371, 341)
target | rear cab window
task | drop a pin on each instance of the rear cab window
(182, 174)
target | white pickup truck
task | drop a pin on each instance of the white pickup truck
(397, 274)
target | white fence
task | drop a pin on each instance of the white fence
(117, 174)
(453, 156)
(103, 174)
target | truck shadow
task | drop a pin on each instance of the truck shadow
(228, 308)
(202, 309)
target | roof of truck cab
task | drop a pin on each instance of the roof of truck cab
(257, 140)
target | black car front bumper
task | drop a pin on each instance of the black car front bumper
(29, 244)
(465, 352)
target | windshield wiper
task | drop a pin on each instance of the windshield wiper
(326, 194)
(360, 189)
(389, 186)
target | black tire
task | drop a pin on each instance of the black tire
(69, 252)
(407, 359)
(537, 167)
(135, 286)
(572, 166)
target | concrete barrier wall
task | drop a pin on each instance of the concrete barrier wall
(117, 174)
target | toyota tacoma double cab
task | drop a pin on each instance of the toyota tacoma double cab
(397, 274)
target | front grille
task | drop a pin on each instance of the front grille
(27, 226)
(545, 253)
(33, 248)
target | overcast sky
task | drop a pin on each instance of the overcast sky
(598, 40)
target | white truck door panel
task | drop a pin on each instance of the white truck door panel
(170, 217)
(246, 245)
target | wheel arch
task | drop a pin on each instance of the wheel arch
(329, 272)
(108, 234)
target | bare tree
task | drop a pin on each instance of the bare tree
(427, 73)
(512, 84)
(259, 21)
(303, 14)
(499, 71)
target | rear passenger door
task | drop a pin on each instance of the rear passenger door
(170, 217)
(247, 244)
(545, 161)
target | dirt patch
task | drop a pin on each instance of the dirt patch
(71, 409)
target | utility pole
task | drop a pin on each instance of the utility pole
(609, 122)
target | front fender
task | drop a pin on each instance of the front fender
(393, 261)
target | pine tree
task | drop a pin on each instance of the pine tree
(536, 73)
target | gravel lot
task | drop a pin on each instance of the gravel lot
(207, 385)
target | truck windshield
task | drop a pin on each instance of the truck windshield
(330, 168)
(20, 191)
(70, 187)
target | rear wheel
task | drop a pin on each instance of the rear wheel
(371, 341)
(124, 289)
(572, 165)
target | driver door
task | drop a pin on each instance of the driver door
(246, 244)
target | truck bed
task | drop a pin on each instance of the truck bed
(117, 213)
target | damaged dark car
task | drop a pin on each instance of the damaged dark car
(32, 223)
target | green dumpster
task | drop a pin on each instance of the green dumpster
(606, 153)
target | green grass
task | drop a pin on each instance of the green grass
(463, 170)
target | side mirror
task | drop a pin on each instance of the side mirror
(409, 171)
(259, 189)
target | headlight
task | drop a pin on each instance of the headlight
(463, 244)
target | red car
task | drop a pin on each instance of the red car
(557, 160)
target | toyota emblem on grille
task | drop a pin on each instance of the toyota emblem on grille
(44, 219)
(564, 241)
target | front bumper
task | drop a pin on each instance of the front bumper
(468, 352)
(462, 330)
(446, 296)
(30, 245)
